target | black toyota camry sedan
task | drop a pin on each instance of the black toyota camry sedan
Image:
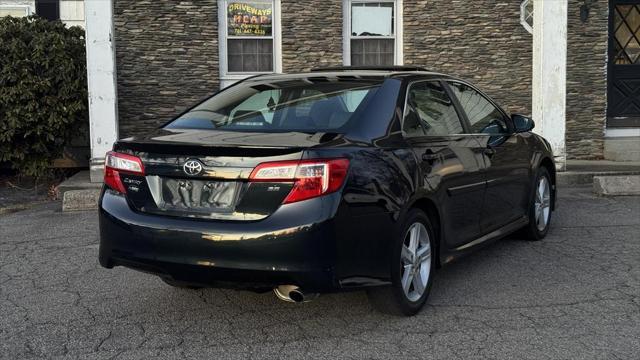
(333, 180)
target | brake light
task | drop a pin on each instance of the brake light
(116, 163)
(311, 178)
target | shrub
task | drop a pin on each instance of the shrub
(43, 91)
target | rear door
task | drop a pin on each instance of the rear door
(506, 157)
(450, 160)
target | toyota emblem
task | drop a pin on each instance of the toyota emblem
(192, 167)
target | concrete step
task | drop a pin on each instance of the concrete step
(622, 148)
(616, 185)
(79, 193)
(581, 172)
(79, 181)
(77, 200)
(568, 178)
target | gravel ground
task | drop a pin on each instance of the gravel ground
(574, 295)
(12, 199)
(21, 193)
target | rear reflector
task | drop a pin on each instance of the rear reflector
(116, 163)
(311, 178)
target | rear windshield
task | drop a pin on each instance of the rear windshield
(305, 105)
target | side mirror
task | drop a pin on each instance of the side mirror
(522, 123)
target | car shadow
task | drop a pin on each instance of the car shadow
(462, 282)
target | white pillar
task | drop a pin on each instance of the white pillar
(550, 73)
(101, 77)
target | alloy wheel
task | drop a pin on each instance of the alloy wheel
(415, 261)
(542, 204)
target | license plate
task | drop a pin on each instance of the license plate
(194, 195)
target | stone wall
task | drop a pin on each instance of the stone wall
(587, 81)
(167, 55)
(480, 41)
(166, 58)
(311, 34)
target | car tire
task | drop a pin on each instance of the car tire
(540, 208)
(395, 299)
(179, 284)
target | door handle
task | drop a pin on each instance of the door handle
(429, 156)
(489, 151)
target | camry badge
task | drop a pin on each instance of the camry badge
(192, 167)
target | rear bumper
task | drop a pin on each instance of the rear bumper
(295, 245)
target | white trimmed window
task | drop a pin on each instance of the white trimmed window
(249, 36)
(15, 10)
(372, 32)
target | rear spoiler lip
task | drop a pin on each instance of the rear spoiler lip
(204, 149)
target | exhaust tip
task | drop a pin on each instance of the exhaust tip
(292, 293)
(296, 296)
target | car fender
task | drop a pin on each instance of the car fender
(542, 152)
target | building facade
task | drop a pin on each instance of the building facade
(170, 54)
(150, 59)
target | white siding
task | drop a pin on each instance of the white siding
(550, 74)
(101, 81)
(72, 12)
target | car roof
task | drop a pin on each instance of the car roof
(355, 74)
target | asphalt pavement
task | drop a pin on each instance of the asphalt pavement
(575, 295)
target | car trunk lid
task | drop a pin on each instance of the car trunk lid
(205, 174)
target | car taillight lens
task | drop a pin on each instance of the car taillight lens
(116, 163)
(311, 178)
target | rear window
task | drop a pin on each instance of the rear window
(305, 105)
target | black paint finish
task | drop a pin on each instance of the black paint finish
(476, 187)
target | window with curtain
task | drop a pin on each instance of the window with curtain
(249, 36)
(372, 33)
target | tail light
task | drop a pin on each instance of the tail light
(116, 163)
(311, 178)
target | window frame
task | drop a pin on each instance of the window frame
(25, 7)
(505, 115)
(464, 124)
(227, 78)
(398, 54)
